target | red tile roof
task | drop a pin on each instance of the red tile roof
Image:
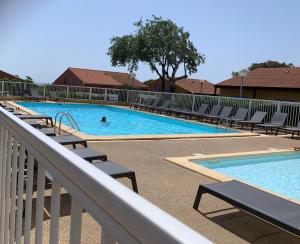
(105, 78)
(196, 86)
(184, 85)
(4, 74)
(267, 77)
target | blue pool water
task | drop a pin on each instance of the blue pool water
(278, 172)
(121, 121)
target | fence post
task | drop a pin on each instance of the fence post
(127, 95)
(44, 91)
(172, 103)
(193, 103)
(2, 88)
(219, 101)
(90, 95)
(67, 92)
(105, 94)
(278, 106)
(249, 108)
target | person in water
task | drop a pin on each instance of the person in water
(103, 120)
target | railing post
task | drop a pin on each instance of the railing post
(193, 103)
(90, 95)
(44, 92)
(105, 94)
(127, 95)
(67, 92)
(249, 108)
(2, 88)
(172, 103)
(278, 106)
(219, 101)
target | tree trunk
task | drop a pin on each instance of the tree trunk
(172, 86)
(163, 84)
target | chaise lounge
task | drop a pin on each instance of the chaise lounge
(266, 206)
(257, 118)
(277, 121)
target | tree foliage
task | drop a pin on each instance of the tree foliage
(160, 44)
(267, 64)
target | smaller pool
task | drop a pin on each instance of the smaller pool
(278, 172)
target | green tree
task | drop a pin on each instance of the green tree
(160, 44)
(267, 64)
(28, 79)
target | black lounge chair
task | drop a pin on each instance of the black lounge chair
(163, 107)
(6, 108)
(225, 113)
(239, 116)
(257, 118)
(266, 206)
(277, 121)
(47, 131)
(89, 154)
(35, 123)
(69, 140)
(33, 94)
(153, 105)
(117, 171)
(293, 129)
(200, 111)
(37, 116)
(53, 95)
(135, 105)
(213, 112)
(147, 103)
(179, 111)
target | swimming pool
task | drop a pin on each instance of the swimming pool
(277, 172)
(121, 121)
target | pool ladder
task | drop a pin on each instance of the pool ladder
(70, 119)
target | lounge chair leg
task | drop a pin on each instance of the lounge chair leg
(267, 130)
(252, 127)
(198, 197)
(134, 184)
(293, 134)
(276, 131)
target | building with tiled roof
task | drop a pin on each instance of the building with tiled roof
(98, 78)
(5, 75)
(265, 83)
(193, 86)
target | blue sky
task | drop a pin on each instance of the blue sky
(43, 38)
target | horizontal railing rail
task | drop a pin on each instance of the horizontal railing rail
(29, 158)
(189, 102)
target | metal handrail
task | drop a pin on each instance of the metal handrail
(70, 119)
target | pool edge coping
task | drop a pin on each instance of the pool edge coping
(185, 162)
(143, 137)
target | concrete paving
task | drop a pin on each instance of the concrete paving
(173, 188)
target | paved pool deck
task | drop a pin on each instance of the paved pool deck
(173, 188)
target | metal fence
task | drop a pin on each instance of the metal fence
(188, 102)
(29, 159)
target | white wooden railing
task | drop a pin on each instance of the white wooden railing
(28, 158)
(189, 102)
